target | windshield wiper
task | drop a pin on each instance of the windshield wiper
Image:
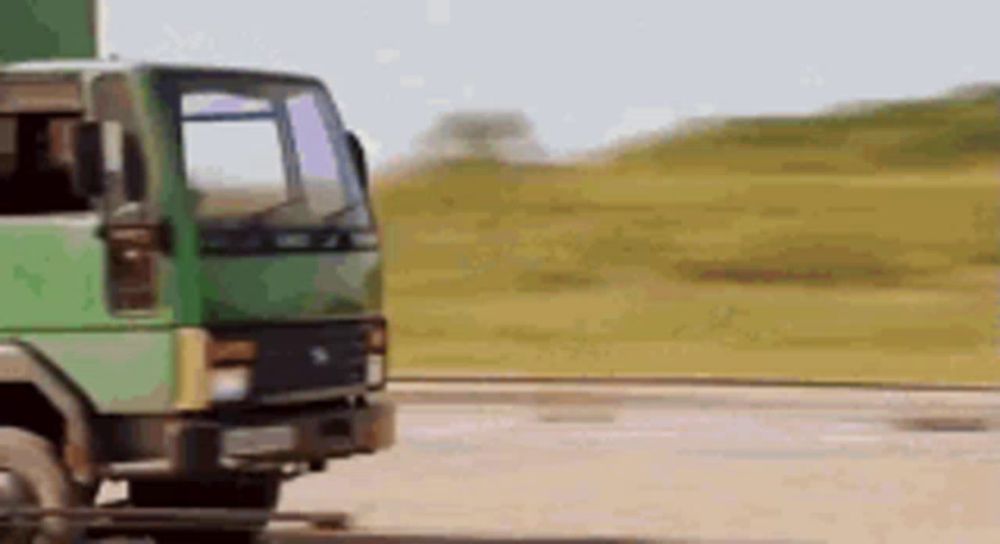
(258, 217)
(337, 214)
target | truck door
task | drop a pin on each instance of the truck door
(60, 291)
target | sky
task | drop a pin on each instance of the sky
(588, 73)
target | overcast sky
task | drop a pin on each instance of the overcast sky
(587, 72)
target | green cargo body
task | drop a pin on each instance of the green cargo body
(45, 29)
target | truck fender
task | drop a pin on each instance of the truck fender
(21, 364)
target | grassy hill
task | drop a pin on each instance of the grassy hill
(859, 246)
(958, 130)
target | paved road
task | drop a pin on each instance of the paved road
(684, 464)
(758, 466)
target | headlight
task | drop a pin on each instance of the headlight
(209, 369)
(377, 340)
(231, 383)
(375, 374)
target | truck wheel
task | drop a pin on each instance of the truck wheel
(32, 476)
(258, 492)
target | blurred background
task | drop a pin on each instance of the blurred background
(778, 189)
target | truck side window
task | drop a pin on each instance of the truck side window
(36, 165)
(8, 147)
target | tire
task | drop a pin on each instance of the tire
(39, 472)
(257, 492)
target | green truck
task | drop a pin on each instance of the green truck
(190, 287)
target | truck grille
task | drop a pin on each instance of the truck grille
(301, 358)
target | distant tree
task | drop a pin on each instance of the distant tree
(498, 135)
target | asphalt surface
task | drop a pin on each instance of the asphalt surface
(686, 464)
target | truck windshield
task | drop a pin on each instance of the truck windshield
(266, 152)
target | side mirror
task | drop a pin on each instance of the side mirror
(358, 157)
(88, 153)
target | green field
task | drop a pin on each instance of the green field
(849, 247)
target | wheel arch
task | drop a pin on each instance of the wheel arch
(21, 364)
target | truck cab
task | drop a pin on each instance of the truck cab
(190, 284)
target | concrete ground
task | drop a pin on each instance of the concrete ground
(598, 464)
(671, 464)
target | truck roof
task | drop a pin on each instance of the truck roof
(103, 66)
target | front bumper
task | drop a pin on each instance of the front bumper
(312, 437)
(152, 446)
